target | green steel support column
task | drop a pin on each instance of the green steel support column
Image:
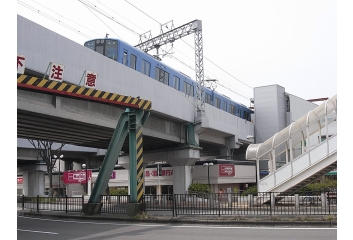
(132, 156)
(110, 158)
(127, 121)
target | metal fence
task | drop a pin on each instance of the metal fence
(267, 203)
(67, 204)
(114, 204)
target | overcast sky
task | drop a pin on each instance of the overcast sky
(246, 44)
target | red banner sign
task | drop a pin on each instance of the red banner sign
(226, 170)
(20, 180)
(77, 176)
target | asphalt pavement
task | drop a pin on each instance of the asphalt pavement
(155, 217)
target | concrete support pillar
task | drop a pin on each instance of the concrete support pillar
(224, 152)
(182, 161)
(182, 179)
(33, 180)
(36, 184)
(159, 190)
(25, 184)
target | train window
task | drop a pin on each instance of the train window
(99, 49)
(90, 45)
(125, 58)
(133, 61)
(111, 49)
(232, 109)
(246, 115)
(162, 76)
(146, 66)
(224, 105)
(217, 103)
(176, 82)
(188, 89)
(208, 98)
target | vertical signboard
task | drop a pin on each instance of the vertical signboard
(90, 79)
(56, 72)
(21, 64)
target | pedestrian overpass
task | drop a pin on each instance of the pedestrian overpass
(306, 148)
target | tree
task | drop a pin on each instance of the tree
(44, 149)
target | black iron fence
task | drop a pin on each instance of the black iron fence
(272, 203)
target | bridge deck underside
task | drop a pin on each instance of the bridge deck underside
(44, 127)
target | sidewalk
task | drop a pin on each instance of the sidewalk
(261, 221)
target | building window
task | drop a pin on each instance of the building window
(150, 190)
(133, 61)
(146, 66)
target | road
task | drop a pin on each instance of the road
(38, 228)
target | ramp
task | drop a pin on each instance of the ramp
(300, 153)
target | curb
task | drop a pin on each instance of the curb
(192, 221)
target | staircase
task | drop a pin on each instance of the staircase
(303, 164)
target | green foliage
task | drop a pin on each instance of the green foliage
(327, 185)
(116, 191)
(199, 188)
(251, 190)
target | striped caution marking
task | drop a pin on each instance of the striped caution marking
(139, 161)
(71, 90)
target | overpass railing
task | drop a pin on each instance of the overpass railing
(298, 147)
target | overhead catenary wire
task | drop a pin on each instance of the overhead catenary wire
(91, 7)
(54, 19)
(204, 56)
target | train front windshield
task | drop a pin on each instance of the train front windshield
(106, 47)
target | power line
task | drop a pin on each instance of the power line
(64, 17)
(58, 21)
(88, 4)
(142, 12)
(119, 14)
(194, 49)
(102, 21)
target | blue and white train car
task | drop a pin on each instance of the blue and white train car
(146, 64)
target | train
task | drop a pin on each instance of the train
(152, 67)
